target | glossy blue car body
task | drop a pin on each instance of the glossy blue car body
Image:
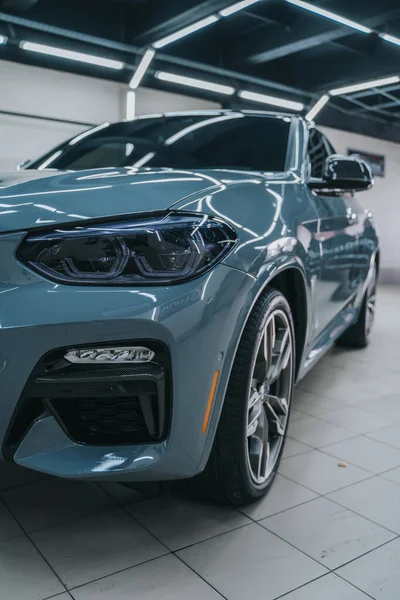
(323, 245)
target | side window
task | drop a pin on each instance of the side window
(317, 152)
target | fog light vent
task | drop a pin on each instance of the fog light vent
(95, 356)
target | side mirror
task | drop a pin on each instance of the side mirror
(21, 166)
(344, 174)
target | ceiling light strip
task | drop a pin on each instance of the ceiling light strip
(196, 83)
(318, 106)
(185, 31)
(72, 55)
(87, 133)
(364, 86)
(390, 38)
(272, 100)
(330, 15)
(230, 10)
(142, 68)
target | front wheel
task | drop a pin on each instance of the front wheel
(251, 433)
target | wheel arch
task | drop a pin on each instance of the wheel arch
(291, 283)
(290, 279)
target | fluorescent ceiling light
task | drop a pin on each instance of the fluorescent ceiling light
(142, 68)
(186, 130)
(185, 31)
(88, 132)
(330, 15)
(196, 83)
(3, 40)
(145, 159)
(130, 105)
(317, 107)
(364, 86)
(390, 38)
(225, 12)
(264, 99)
(72, 55)
(51, 159)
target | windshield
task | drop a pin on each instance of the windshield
(230, 140)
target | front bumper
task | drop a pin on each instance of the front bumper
(199, 322)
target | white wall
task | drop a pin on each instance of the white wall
(50, 93)
(383, 199)
(156, 101)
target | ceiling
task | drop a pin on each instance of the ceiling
(272, 47)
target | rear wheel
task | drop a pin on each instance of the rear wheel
(359, 334)
(252, 429)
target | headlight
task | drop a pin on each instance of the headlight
(145, 251)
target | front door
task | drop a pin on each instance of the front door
(337, 233)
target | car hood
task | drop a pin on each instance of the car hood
(31, 199)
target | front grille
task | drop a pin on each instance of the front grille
(109, 420)
(107, 405)
(102, 404)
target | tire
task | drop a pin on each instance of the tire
(358, 335)
(231, 474)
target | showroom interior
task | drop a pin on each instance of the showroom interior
(329, 526)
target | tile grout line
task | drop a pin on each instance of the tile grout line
(92, 514)
(38, 551)
(301, 586)
(397, 536)
(145, 562)
(317, 579)
(322, 564)
(22, 485)
(280, 512)
(395, 533)
(371, 476)
(118, 572)
(293, 546)
(323, 450)
(194, 543)
(365, 435)
(57, 596)
(353, 437)
(12, 537)
(189, 545)
(340, 566)
(200, 576)
(365, 554)
(172, 552)
(355, 586)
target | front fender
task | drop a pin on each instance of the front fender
(270, 271)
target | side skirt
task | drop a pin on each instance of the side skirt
(327, 338)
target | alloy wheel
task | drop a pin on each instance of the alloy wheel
(269, 396)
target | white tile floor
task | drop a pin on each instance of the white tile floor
(324, 531)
